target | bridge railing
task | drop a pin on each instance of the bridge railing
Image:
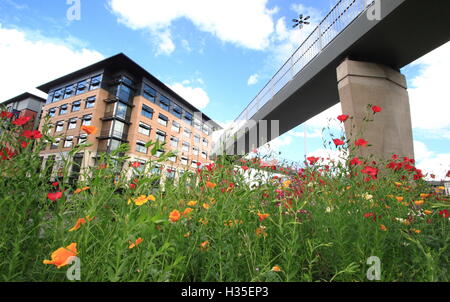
(341, 15)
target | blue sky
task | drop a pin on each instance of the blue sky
(217, 54)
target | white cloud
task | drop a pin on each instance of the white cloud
(430, 162)
(194, 95)
(29, 60)
(244, 23)
(253, 79)
(164, 41)
(429, 94)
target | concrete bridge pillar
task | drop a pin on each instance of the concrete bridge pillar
(364, 83)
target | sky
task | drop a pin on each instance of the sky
(217, 54)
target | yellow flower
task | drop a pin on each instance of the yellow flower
(441, 188)
(192, 203)
(398, 184)
(261, 232)
(287, 183)
(416, 231)
(141, 200)
(423, 195)
(276, 268)
(187, 235)
(203, 221)
(206, 206)
(367, 196)
(399, 198)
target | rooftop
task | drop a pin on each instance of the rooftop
(21, 97)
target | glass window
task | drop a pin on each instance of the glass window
(76, 106)
(187, 133)
(204, 155)
(59, 126)
(159, 153)
(69, 91)
(50, 98)
(83, 138)
(149, 93)
(82, 87)
(52, 112)
(174, 142)
(185, 147)
(119, 129)
(58, 95)
(205, 142)
(63, 109)
(121, 110)
(195, 151)
(87, 120)
(140, 147)
(95, 82)
(194, 164)
(144, 129)
(173, 159)
(124, 93)
(113, 144)
(175, 127)
(55, 145)
(90, 102)
(161, 136)
(68, 143)
(72, 123)
(197, 139)
(188, 117)
(147, 112)
(184, 161)
(164, 103)
(206, 129)
(197, 125)
(162, 120)
(176, 110)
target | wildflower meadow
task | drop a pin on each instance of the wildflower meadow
(322, 222)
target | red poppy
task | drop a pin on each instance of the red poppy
(54, 196)
(361, 142)
(35, 134)
(6, 114)
(245, 168)
(22, 120)
(24, 144)
(136, 164)
(199, 164)
(444, 213)
(448, 174)
(312, 160)
(376, 109)
(338, 142)
(355, 162)
(55, 184)
(370, 171)
(132, 186)
(342, 117)
(6, 153)
(395, 156)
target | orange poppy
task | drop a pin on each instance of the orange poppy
(276, 268)
(89, 129)
(61, 256)
(206, 206)
(263, 216)
(136, 243)
(174, 216)
(419, 202)
(210, 185)
(187, 211)
(383, 227)
(204, 245)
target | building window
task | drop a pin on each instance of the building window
(197, 139)
(188, 117)
(185, 147)
(50, 98)
(72, 123)
(160, 136)
(82, 87)
(69, 91)
(52, 112)
(90, 102)
(63, 109)
(76, 106)
(205, 142)
(147, 112)
(58, 95)
(149, 93)
(119, 130)
(173, 159)
(164, 103)
(204, 155)
(59, 126)
(195, 151)
(159, 153)
(55, 144)
(194, 164)
(177, 111)
(198, 125)
(95, 82)
(174, 142)
(86, 120)
(206, 130)
(163, 120)
(82, 139)
(187, 133)
(140, 147)
(68, 143)
(184, 161)
(144, 129)
(175, 127)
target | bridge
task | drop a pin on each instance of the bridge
(353, 56)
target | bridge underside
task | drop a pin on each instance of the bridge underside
(407, 30)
